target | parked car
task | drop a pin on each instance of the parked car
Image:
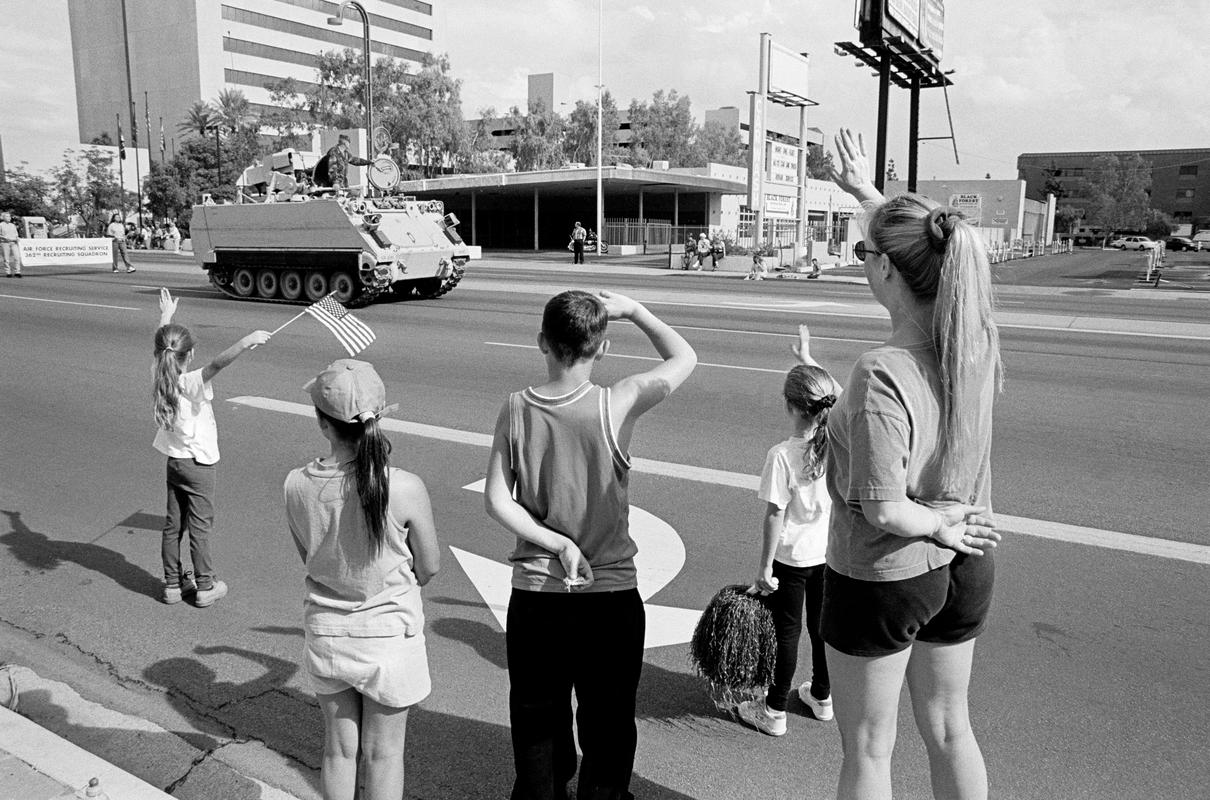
(1134, 243)
(1202, 238)
(1180, 243)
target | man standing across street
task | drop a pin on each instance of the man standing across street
(578, 234)
(9, 251)
(117, 231)
(339, 158)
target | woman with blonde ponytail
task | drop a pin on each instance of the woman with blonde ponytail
(366, 535)
(188, 435)
(909, 579)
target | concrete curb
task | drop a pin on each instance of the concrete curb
(131, 756)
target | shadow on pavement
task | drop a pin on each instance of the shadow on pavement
(664, 694)
(39, 552)
(159, 758)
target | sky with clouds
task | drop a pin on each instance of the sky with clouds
(1029, 75)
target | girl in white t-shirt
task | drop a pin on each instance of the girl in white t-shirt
(188, 435)
(795, 536)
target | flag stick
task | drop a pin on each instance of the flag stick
(296, 316)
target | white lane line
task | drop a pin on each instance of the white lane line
(814, 338)
(647, 358)
(67, 302)
(1042, 529)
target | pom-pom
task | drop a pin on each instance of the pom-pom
(734, 647)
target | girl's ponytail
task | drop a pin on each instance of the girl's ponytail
(172, 345)
(810, 391)
(373, 480)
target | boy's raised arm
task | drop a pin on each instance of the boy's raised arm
(637, 394)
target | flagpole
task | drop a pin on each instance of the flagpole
(121, 180)
(296, 316)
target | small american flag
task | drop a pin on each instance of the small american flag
(354, 334)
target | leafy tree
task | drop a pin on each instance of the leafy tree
(719, 143)
(580, 139)
(819, 163)
(537, 137)
(1118, 192)
(1067, 217)
(424, 114)
(480, 152)
(86, 184)
(1159, 225)
(233, 111)
(103, 139)
(23, 194)
(199, 119)
(663, 130)
(166, 198)
(1052, 184)
(289, 115)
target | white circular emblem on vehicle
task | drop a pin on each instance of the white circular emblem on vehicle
(384, 173)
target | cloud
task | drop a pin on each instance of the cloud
(643, 12)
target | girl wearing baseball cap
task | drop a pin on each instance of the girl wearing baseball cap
(365, 532)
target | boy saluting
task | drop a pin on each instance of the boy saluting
(575, 618)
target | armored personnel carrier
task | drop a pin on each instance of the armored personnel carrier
(284, 244)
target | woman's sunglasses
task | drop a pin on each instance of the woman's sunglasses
(861, 251)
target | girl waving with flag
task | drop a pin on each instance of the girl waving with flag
(188, 435)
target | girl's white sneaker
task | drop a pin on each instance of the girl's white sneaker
(820, 709)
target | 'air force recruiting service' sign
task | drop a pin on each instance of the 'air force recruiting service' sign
(59, 252)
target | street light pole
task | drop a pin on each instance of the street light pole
(337, 20)
(600, 92)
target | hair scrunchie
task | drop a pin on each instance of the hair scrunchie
(823, 403)
(939, 224)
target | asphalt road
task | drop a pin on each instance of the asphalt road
(1091, 681)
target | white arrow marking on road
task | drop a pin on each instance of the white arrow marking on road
(661, 556)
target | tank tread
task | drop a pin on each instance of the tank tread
(455, 276)
(222, 282)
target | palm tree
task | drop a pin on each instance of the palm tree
(233, 110)
(200, 119)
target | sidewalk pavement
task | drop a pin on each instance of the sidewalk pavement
(37, 763)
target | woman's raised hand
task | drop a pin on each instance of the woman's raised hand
(854, 173)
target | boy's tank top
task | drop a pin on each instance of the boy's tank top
(573, 477)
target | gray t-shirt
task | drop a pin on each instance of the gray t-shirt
(884, 443)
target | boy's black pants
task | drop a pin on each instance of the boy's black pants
(591, 643)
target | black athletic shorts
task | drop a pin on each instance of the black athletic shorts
(946, 605)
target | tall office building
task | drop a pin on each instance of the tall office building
(182, 51)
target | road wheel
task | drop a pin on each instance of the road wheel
(243, 282)
(316, 285)
(343, 286)
(266, 283)
(291, 284)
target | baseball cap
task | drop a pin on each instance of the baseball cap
(350, 391)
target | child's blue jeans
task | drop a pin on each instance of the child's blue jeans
(191, 489)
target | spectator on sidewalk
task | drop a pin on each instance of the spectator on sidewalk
(557, 479)
(10, 252)
(578, 235)
(703, 250)
(117, 232)
(718, 251)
